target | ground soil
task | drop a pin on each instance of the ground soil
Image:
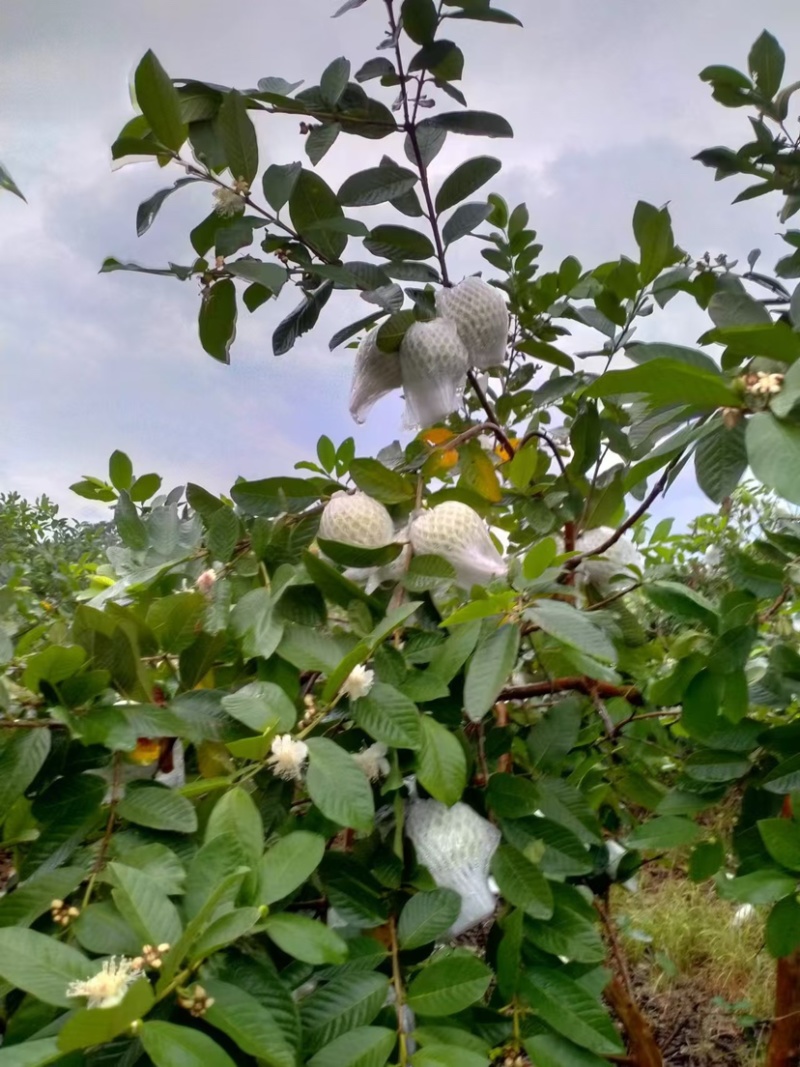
(691, 1030)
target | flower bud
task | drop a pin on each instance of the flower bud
(433, 364)
(458, 534)
(205, 583)
(480, 314)
(375, 374)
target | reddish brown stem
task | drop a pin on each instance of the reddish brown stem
(784, 1041)
(577, 685)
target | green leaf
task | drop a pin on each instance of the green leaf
(311, 202)
(448, 984)
(302, 318)
(217, 319)
(783, 927)
(666, 382)
(434, 1055)
(31, 1053)
(148, 209)
(705, 860)
(42, 966)
(512, 797)
(89, 1027)
(758, 887)
(157, 806)
(129, 523)
(248, 1023)
(22, 755)
(474, 123)
(419, 20)
(571, 931)
(376, 185)
(390, 336)
(572, 628)
(367, 1046)
(356, 556)
(426, 917)
(428, 141)
(785, 778)
(144, 905)
(334, 80)
(464, 220)
(238, 137)
(337, 786)
(380, 67)
(488, 670)
(169, 1045)
(269, 275)
(682, 602)
(571, 1011)
(255, 623)
(441, 763)
(389, 716)
(347, 1002)
(444, 59)
(781, 839)
(8, 183)
(766, 63)
(399, 243)
(120, 470)
(773, 452)
(32, 898)
(279, 181)
(144, 487)
(236, 813)
(261, 706)
(522, 883)
(652, 229)
(306, 939)
(708, 766)
(379, 482)
(720, 460)
(288, 863)
(225, 930)
(666, 831)
(159, 101)
(320, 140)
(465, 180)
(209, 868)
(553, 1050)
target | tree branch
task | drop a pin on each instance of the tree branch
(576, 685)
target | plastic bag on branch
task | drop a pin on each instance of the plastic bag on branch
(480, 314)
(621, 559)
(356, 519)
(458, 534)
(456, 845)
(375, 374)
(433, 364)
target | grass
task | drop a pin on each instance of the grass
(692, 948)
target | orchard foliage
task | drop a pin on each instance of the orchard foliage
(325, 771)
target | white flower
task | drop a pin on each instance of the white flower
(480, 314)
(228, 203)
(288, 757)
(205, 583)
(620, 559)
(356, 519)
(358, 682)
(375, 374)
(456, 845)
(763, 384)
(433, 363)
(107, 988)
(458, 534)
(373, 761)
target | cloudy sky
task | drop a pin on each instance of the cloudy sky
(606, 107)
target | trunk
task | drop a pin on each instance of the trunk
(644, 1052)
(784, 1041)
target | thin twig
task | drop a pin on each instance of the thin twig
(551, 444)
(399, 994)
(632, 519)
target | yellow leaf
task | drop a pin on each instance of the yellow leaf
(478, 473)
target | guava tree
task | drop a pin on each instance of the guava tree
(327, 771)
